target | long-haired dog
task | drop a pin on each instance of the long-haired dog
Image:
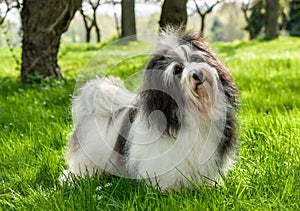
(179, 128)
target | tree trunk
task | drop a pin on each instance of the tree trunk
(88, 34)
(98, 34)
(128, 19)
(97, 29)
(174, 13)
(43, 23)
(116, 21)
(86, 25)
(202, 24)
(271, 25)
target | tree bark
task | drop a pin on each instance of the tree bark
(98, 34)
(128, 26)
(97, 29)
(271, 24)
(88, 34)
(43, 23)
(174, 13)
(88, 27)
(202, 25)
(116, 19)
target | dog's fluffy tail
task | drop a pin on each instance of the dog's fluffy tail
(101, 97)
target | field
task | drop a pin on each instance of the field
(35, 121)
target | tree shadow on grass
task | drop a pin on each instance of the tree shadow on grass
(36, 103)
(10, 84)
(230, 49)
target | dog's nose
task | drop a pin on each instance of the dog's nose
(198, 76)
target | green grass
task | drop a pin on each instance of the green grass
(35, 122)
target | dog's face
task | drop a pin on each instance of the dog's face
(197, 80)
(177, 78)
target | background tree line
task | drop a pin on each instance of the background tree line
(43, 23)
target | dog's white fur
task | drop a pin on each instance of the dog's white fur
(102, 105)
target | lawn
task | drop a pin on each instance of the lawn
(35, 121)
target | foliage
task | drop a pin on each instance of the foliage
(293, 26)
(35, 122)
(215, 28)
(256, 20)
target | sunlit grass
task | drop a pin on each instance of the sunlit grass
(35, 122)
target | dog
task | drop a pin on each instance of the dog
(180, 128)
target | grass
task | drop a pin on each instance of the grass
(35, 122)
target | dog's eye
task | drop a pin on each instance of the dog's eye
(197, 59)
(177, 70)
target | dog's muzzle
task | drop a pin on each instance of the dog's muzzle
(195, 80)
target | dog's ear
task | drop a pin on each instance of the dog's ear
(158, 62)
(225, 77)
(157, 95)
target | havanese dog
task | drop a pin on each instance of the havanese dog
(178, 129)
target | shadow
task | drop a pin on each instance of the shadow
(9, 84)
(38, 103)
(229, 49)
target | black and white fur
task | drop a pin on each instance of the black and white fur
(180, 126)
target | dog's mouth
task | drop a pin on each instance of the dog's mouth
(197, 89)
(199, 86)
(202, 92)
(200, 80)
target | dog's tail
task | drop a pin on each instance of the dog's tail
(101, 97)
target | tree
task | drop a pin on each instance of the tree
(43, 23)
(293, 26)
(174, 13)
(216, 28)
(256, 20)
(114, 3)
(203, 10)
(271, 21)
(90, 21)
(128, 27)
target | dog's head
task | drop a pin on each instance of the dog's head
(183, 75)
